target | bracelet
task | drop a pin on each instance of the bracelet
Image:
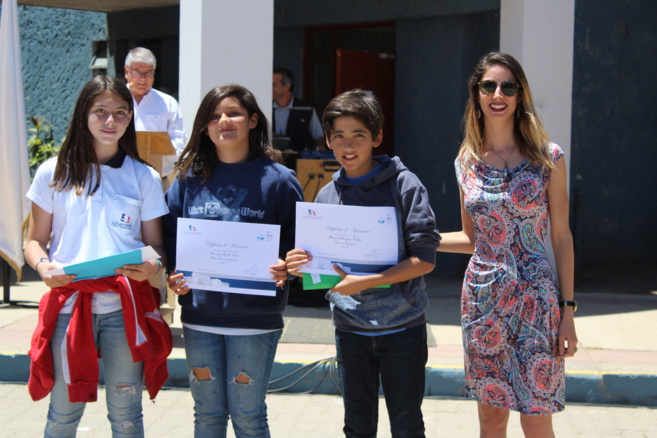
(159, 268)
(564, 303)
(42, 259)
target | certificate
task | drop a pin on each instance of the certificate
(227, 256)
(361, 240)
(105, 266)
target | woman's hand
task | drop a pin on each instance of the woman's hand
(279, 272)
(567, 346)
(177, 283)
(140, 272)
(295, 259)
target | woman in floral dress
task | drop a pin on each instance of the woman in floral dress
(517, 312)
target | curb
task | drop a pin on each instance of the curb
(321, 377)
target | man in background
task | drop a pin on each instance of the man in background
(293, 118)
(154, 110)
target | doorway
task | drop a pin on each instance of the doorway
(370, 71)
(340, 58)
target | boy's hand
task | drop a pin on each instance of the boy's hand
(177, 283)
(279, 272)
(350, 284)
(295, 259)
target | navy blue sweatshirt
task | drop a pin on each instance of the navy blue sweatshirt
(256, 191)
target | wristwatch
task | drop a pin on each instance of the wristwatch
(564, 303)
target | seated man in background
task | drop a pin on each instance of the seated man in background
(295, 124)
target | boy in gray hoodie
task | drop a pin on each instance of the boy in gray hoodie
(380, 332)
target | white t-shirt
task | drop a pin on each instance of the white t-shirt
(158, 111)
(109, 222)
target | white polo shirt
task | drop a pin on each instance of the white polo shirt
(109, 222)
(158, 111)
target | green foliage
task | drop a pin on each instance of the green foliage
(41, 144)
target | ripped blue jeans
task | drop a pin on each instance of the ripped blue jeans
(228, 377)
(123, 381)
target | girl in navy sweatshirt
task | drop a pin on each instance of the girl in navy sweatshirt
(225, 174)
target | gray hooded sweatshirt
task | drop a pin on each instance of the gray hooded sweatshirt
(403, 305)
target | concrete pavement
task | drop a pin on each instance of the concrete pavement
(320, 416)
(616, 365)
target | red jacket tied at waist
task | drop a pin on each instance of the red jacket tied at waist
(149, 337)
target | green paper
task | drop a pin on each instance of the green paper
(327, 282)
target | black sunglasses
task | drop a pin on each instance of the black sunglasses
(509, 88)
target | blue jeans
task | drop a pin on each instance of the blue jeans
(123, 381)
(228, 376)
(398, 361)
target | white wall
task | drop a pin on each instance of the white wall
(224, 41)
(539, 34)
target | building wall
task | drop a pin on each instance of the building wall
(288, 53)
(435, 57)
(289, 13)
(56, 49)
(157, 29)
(614, 144)
(614, 140)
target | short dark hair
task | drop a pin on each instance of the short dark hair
(358, 103)
(288, 77)
(200, 154)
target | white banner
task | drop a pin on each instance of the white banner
(15, 174)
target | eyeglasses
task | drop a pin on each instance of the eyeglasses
(147, 75)
(509, 88)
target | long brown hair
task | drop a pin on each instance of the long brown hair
(200, 156)
(534, 141)
(77, 164)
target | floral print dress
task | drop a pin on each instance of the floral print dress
(510, 302)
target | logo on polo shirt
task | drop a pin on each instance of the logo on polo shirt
(124, 221)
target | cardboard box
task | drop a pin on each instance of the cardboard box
(314, 174)
(153, 146)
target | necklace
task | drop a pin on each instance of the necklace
(509, 153)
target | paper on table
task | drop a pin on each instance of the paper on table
(362, 240)
(227, 256)
(105, 266)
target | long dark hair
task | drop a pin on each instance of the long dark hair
(527, 124)
(77, 164)
(200, 155)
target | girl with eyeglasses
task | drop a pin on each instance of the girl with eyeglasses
(517, 312)
(97, 198)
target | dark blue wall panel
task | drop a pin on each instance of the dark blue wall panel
(288, 53)
(614, 136)
(435, 57)
(331, 12)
